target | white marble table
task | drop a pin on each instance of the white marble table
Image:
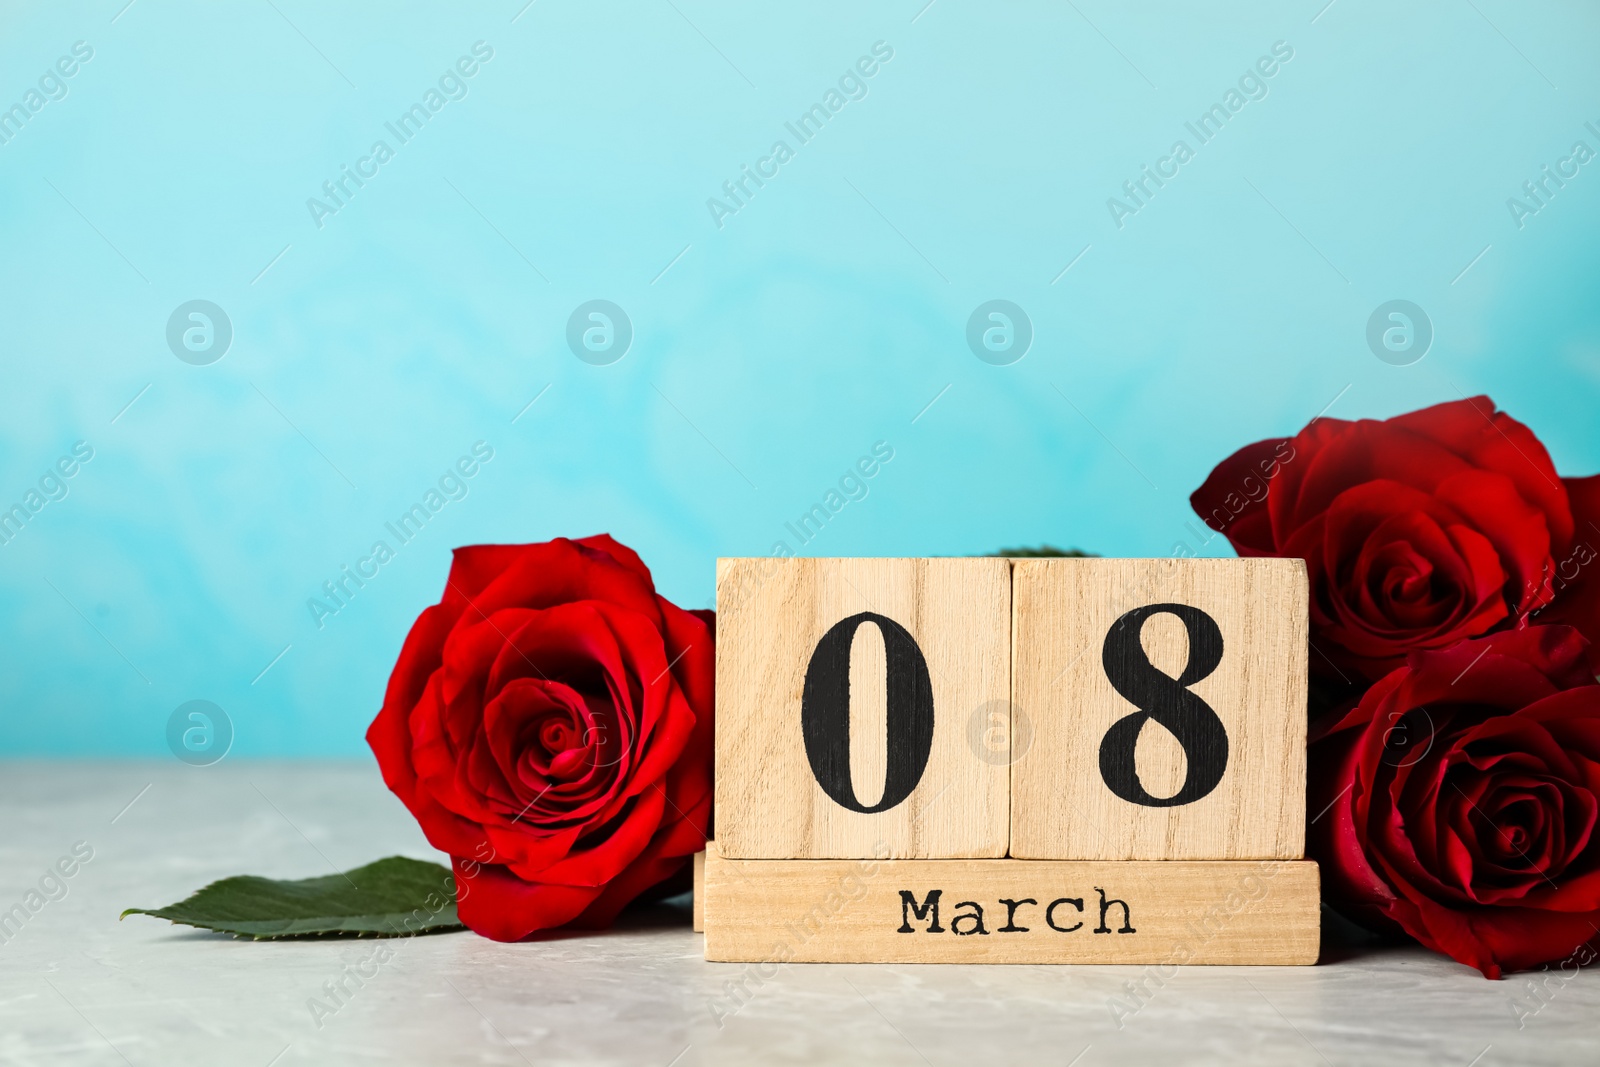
(78, 987)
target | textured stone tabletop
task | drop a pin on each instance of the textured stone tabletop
(78, 987)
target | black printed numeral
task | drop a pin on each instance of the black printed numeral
(1168, 701)
(825, 712)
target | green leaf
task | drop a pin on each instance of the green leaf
(1043, 551)
(394, 897)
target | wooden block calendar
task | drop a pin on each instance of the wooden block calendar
(1028, 761)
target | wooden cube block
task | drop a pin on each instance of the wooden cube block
(1166, 914)
(863, 707)
(1167, 701)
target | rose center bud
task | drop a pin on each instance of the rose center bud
(1411, 581)
(557, 736)
(569, 754)
(568, 751)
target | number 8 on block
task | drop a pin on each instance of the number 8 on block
(1168, 703)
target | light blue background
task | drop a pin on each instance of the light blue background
(771, 353)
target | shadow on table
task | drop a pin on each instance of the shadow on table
(673, 913)
(1344, 940)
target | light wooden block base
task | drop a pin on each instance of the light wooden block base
(1158, 912)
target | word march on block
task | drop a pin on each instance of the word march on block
(994, 760)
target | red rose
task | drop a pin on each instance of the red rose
(1458, 800)
(1417, 531)
(549, 725)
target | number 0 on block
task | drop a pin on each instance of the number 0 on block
(863, 708)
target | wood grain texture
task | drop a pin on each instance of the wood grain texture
(1165, 914)
(1061, 804)
(699, 892)
(771, 615)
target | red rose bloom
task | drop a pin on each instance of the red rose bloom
(1458, 800)
(549, 725)
(1417, 531)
